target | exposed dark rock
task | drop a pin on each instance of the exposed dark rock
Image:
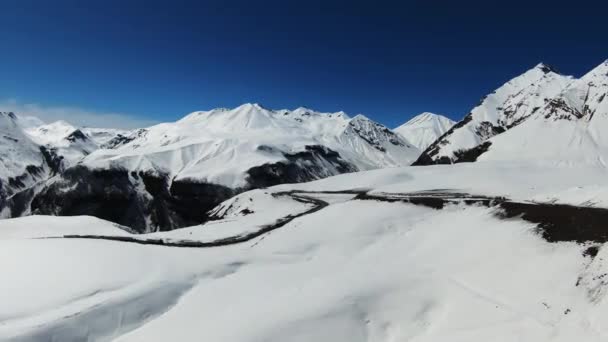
(317, 205)
(10, 138)
(486, 130)
(120, 139)
(547, 69)
(369, 131)
(76, 135)
(591, 251)
(471, 155)
(460, 156)
(555, 222)
(246, 212)
(300, 167)
(560, 110)
(427, 156)
(52, 159)
(114, 196)
(146, 201)
(561, 222)
(31, 172)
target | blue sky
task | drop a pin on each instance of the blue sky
(152, 60)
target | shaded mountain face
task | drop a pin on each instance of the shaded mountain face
(505, 108)
(423, 129)
(169, 175)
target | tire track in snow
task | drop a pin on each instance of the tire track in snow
(555, 222)
(318, 204)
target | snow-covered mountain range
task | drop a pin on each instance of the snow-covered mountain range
(503, 109)
(221, 146)
(423, 129)
(169, 175)
(509, 246)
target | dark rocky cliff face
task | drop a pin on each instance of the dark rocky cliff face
(144, 202)
(149, 202)
(314, 162)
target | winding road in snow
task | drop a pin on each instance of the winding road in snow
(557, 222)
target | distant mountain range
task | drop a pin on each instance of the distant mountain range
(169, 175)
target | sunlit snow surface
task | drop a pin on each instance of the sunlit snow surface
(423, 129)
(352, 271)
(221, 145)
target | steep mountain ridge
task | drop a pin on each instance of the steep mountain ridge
(506, 107)
(220, 145)
(168, 175)
(68, 142)
(569, 129)
(22, 161)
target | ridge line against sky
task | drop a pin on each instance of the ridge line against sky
(389, 60)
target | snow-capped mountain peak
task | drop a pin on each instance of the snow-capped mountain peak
(221, 133)
(569, 129)
(21, 161)
(423, 129)
(506, 107)
(50, 133)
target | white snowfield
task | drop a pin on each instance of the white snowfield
(423, 129)
(355, 270)
(220, 145)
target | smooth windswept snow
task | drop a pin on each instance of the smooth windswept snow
(423, 129)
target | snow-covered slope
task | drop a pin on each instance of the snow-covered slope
(70, 143)
(570, 129)
(220, 146)
(168, 176)
(102, 136)
(21, 161)
(65, 140)
(392, 272)
(501, 110)
(423, 129)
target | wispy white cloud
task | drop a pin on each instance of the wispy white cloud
(74, 115)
